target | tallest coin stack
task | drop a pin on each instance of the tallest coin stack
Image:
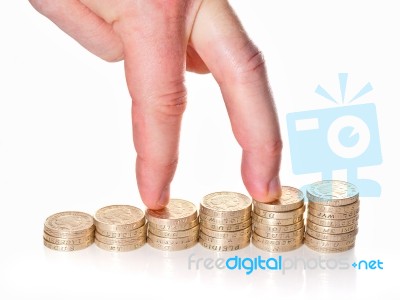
(332, 216)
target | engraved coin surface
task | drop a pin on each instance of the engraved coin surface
(279, 215)
(67, 247)
(120, 248)
(226, 202)
(223, 247)
(174, 234)
(177, 211)
(335, 209)
(332, 216)
(173, 228)
(171, 247)
(120, 228)
(335, 192)
(68, 223)
(290, 199)
(117, 216)
(225, 221)
(279, 226)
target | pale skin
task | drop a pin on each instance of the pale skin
(159, 40)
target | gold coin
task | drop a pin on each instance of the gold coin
(290, 199)
(134, 233)
(332, 223)
(329, 244)
(264, 221)
(328, 250)
(67, 248)
(69, 224)
(332, 193)
(226, 234)
(119, 218)
(118, 241)
(177, 212)
(228, 220)
(68, 241)
(223, 248)
(171, 241)
(332, 216)
(174, 227)
(175, 234)
(280, 215)
(335, 209)
(274, 248)
(273, 242)
(332, 237)
(120, 248)
(173, 247)
(278, 228)
(280, 235)
(225, 204)
(331, 230)
(226, 227)
(224, 241)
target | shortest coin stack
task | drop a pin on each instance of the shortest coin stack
(279, 226)
(68, 231)
(332, 216)
(120, 228)
(175, 227)
(225, 221)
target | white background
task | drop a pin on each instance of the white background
(65, 144)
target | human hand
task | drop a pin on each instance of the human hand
(160, 39)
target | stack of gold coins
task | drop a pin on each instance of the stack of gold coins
(175, 227)
(120, 228)
(68, 231)
(332, 216)
(278, 226)
(225, 221)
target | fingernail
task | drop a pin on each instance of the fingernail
(164, 198)
(274, 188)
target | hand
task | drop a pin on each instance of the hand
(160, 39)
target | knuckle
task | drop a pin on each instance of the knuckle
(173, 105)
(248, 64)
(252, 60)
(274, 147)
(168, 104)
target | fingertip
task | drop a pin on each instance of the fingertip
(274, 190)
(157, 203)
(164, 198)
(264, 191)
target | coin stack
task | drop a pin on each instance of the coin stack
(68, 231)
(225, 221)
(175, 227)
(332, 216)
(278, 226)
(120, 228)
